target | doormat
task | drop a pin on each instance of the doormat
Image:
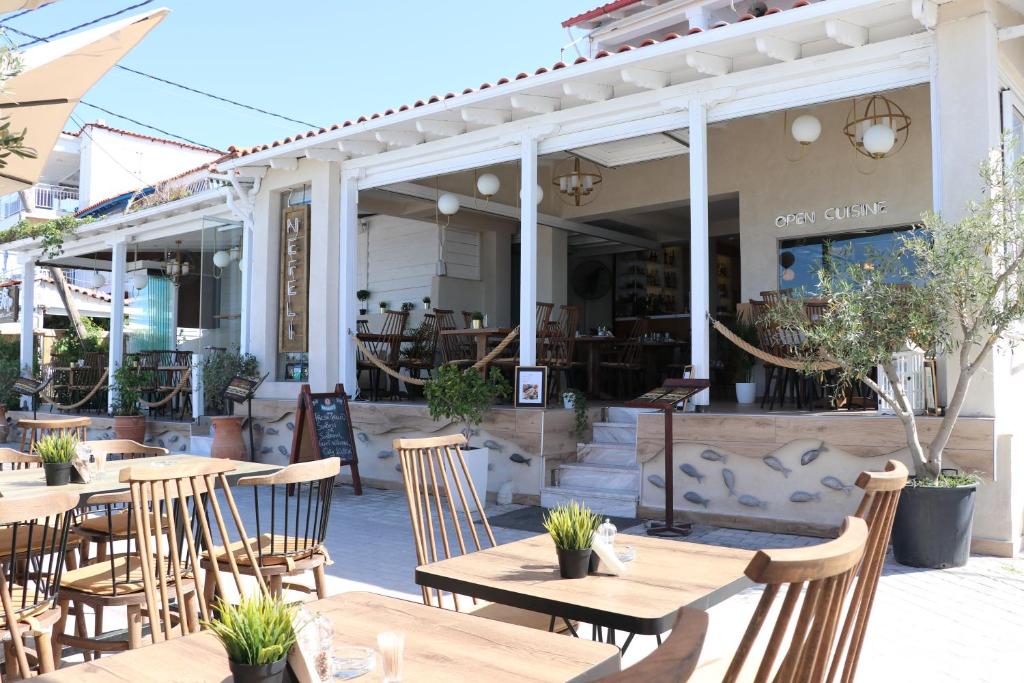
(531, 519)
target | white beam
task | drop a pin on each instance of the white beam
(698, 17)
(644, 78)
(257, 172)
(347, 264)
(361, 147)
(778, 48)
(845, 33)
(536, 104)
(285, 163)
(1011, 32)
(399, 138)
(321, 154)
(926, 12)
(528, 253)
(588, 92)
(28, 319)
(700, 335)
(485, 117)
(708, 64)
(115, 341)
(443, 129)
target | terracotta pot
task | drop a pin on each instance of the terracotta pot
(227, 438)
(131, 427)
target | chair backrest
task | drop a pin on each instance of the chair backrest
(878, 509)
(563, 341)
(825, 570)
(393, 328)
(292, 508)
(675, 659)
(775, 295)
(815, 309)
(630, 352)
(35, 535)
(467, 318)
(435, 468)
(767, 339)
(33, 430)
(543, 315)
(124, 449)
(183, 497)
(445, 318)
(11, 459)
(428, 332)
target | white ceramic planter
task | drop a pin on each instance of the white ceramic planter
(476, 463)
(746, 392)
(569, 401)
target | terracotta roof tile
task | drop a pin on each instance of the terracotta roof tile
(141, 136)
(597, 12)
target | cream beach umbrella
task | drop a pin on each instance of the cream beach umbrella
(54, 77)
(17, 5)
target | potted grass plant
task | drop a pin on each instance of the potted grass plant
(57, 452)
(426, 303)
(257, 634)
(572, 527)
(363, 296)
(383, 305)
(476, 320)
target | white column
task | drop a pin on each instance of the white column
(28, 319)
(700, 338)
(528, 253)
(245, 318)
(118, 269)
(347, 264)
(324, 276)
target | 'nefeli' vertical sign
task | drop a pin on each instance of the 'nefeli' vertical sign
(294, 283)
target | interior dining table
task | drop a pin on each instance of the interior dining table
(482, 335)
(440, 646)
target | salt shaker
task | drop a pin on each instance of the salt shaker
(606, 532)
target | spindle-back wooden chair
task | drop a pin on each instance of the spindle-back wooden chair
(878, 509)
(442, 501)
(35, 536)
(11, 459)
(292, 507)
(422, 360)
(33, 430)
(455, 350)
(627, 364)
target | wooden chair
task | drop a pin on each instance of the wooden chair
(799, 651)
(628, 363)
(363, 362)
(34, 533)
(422, 360)
(11, 460)
(33, 430)
(454, 350)
(543, 316)
(442, 499)
(292, 508)
(878, 509)
(561, 347)
(393, 330)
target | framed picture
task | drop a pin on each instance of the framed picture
(531, 386)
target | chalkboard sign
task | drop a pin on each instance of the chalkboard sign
(323, 429)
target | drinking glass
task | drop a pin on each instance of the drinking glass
(392, 650)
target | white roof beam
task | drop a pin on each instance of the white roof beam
(399, 138)
(285, 163)
(485, 117)
(321, 154)
(360, 148)
(708, 64)
(778, 48)
(845, 33)
(926, 12)
(644, 78)
(588, 92)
(1011, 32)
(443, 129)
(536, 104)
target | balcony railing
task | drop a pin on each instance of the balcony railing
(54, 196)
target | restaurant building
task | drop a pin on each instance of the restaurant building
(683, 158)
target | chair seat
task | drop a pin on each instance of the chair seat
(95, 579)
(7, 539)
(97, 525)
(269, 551)
(515, 615)
(19, 593)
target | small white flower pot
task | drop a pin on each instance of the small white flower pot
(746, 392)
(569, 401)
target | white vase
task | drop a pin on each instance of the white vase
(746, 392)
(476, 462)
(569, 401)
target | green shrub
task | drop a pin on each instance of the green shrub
(218, 371)
(129, 383)
(464, 396)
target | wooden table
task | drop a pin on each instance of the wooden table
(592, 343)
(440, 645)
(664, 576)
(32, 481)
(482, 335)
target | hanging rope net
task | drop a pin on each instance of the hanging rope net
(771, 359)
(384, 367)
(101, 384)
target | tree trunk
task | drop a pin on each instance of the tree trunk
(69, 303)
(956, 404)
(906, 415)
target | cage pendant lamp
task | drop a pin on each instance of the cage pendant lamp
(577, 181)
(877, 127)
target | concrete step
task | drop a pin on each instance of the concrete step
(614, 432)
(627, 415)
(606, 454)
(614, 478)
(601, 502)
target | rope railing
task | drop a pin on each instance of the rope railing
(391, 372)
(102, 383)
(185, 376)
(804, 366)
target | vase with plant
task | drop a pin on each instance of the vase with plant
(218, 370)
(572, 529)
(476, 320)
(383, 307)
(363, 296)
(576, 401)
(57, 453)
(129, 383)
(426, 303)
(257, 634)
(740, 363)
(407, 306)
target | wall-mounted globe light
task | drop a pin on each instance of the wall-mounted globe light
(488, 185)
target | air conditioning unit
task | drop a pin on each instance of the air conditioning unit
(909, 367)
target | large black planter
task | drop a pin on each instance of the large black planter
(57, 473)
(573, 564)
(932, 528)
(260, 673)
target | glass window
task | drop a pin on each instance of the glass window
(800, 260)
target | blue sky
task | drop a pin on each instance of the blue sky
(313, 60)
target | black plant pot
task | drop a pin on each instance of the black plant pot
(932, 528)
(57, 473)
(362, 311)
(259, 673)
(573, 564)
(595, 563)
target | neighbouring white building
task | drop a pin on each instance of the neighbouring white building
(728, 143)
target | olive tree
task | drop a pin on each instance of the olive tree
(11, 142)
(951, 287)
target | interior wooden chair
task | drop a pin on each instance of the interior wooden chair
(33, 430)
(292, 507)
(455, 350)
(815, 577)
(35, 535)
(11, 460)
(878, 509)
(423, 360)
(442, 501)
(393, 330)
(628, 361)
(561, 345)
(363, 363)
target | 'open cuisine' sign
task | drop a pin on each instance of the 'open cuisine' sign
(832, 214)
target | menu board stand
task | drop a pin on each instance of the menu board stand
(28, 386)
(665, 398)
(328, 422)
(243, 389)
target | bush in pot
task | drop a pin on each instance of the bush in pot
(964, 298)
(572, 529)
(741, 363)
(464, 396)
(576, 401)
(57, 452)
(218, 371)
(257, 634)
(129, 383)
(363, 295)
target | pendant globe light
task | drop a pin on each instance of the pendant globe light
(448, 204)
(140, 278)
(488, 185)
(806, 129)
(877, 127)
